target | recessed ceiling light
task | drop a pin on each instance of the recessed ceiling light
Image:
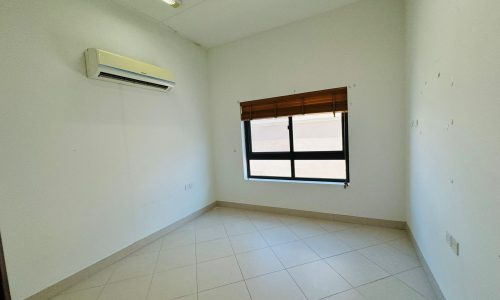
(173, 3)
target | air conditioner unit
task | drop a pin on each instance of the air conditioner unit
(108, 66)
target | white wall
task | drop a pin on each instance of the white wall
(460, 39)
(360, 44)
(89, 167)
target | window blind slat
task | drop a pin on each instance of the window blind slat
(332, 100)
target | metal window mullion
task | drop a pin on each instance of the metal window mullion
(345, 146)
(290, 138)
(248, 145)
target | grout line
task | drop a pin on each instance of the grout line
(420, 264)
(154, 268)
(393, 276)
(353, 289)
(109, 278)
(98, 295)
(238, 263)
(290, 275)
(251, 217)
(409, 285)
(297, 240)
(324, 260)
(216, 287)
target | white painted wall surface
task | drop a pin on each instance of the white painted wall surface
(89, 167)
(360, 44)
(460, 40)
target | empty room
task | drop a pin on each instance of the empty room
(250, 149)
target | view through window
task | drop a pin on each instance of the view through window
(300, 147)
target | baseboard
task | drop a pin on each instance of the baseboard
(425, 266)
(317, 215)
(66, 283)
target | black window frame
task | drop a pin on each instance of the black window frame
(292, 155)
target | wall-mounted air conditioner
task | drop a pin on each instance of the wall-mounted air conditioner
(108, 66)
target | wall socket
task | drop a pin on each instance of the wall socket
(452, 243)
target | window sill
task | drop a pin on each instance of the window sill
(298, 181)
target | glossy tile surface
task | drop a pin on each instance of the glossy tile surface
(249, 255)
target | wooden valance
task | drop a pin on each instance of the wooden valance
(332, 100)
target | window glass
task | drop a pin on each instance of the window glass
(326, 169)
(317, 132)
(274, 168)
(270, 135)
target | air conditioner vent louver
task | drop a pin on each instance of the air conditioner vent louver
(108, 66)
(131, 80)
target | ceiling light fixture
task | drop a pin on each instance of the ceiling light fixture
(173, 3)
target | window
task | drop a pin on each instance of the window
(310, 147)
(302, 137)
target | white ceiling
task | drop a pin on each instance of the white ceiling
(212, 23)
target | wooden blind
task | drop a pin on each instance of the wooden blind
(332, 100)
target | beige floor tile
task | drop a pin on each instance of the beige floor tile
(294, 253)
(96, 280)
(213, 249)
(307, 229)
(358, 238)
(386, 234)
(173, 284)
(389, 289)
(234, 291)
(247, 242)
(130, 289)
(178, 276)
(258, 262)
(190, 297)
(404, 245)
(210, 233)
(86, 294)
(347, 295)
(240, 227)
(417, 279)
(152, 248)
(327, 245)
(356, 268)
(289, 220)
(218, 272)
(175, 258)
(134, 266)
(187, 227)
(278, 235)
(390, 259)
(178, 238)
(208, 220)
(318, 280)
(274, 286)
(231, 218)
(334, 226)
(266, 222)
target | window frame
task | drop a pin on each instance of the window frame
(292, 155)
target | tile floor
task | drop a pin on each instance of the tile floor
(230, 254)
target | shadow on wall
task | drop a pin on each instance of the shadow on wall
(4, 282)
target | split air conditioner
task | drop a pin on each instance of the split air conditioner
(108, 66)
